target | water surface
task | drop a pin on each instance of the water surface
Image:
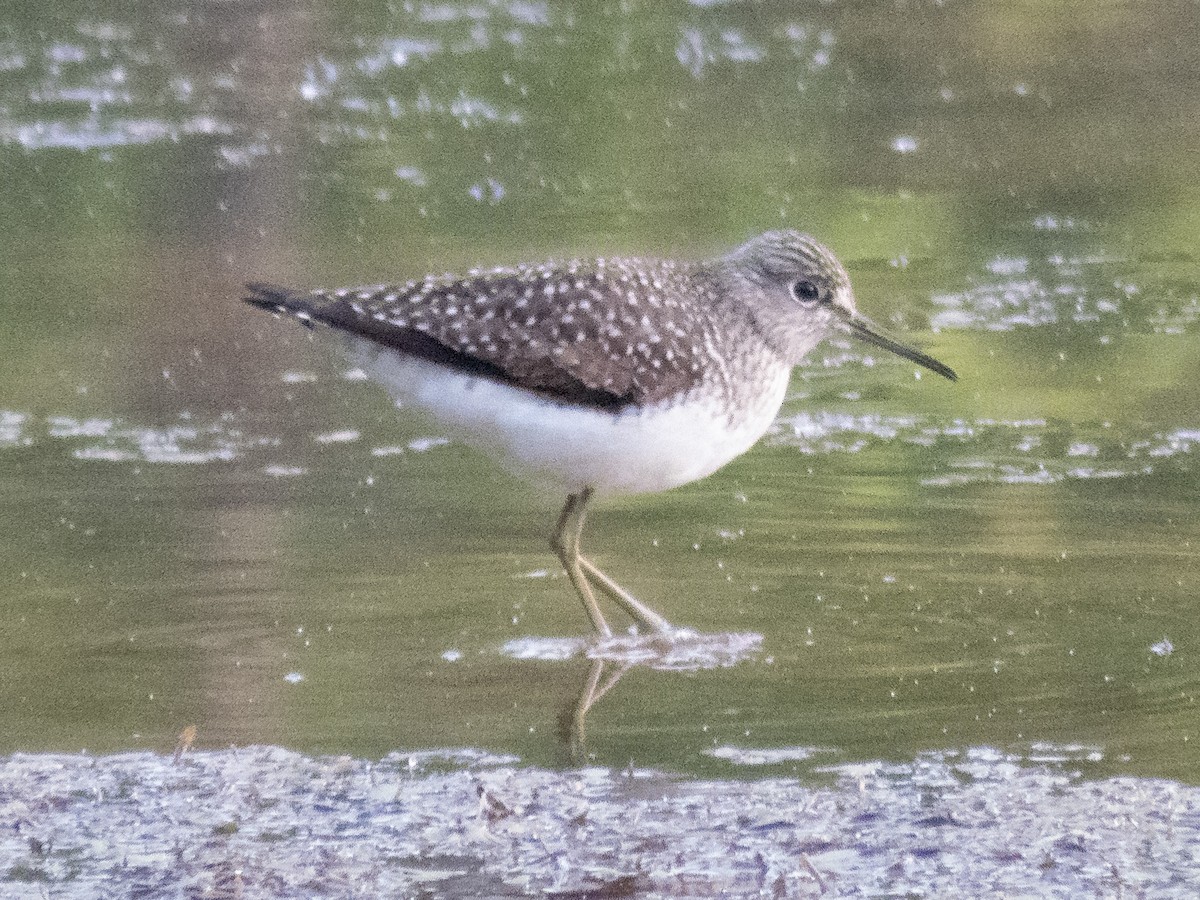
(210, 520)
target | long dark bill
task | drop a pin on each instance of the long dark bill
(868, 332)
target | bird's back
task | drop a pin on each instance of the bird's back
(607, 334)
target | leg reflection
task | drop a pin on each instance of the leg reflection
(573, 723)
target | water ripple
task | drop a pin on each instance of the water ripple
(1018, 451)
(1090, 290)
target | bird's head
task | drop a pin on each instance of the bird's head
(798, 293)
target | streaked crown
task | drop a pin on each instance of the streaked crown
(793, 286)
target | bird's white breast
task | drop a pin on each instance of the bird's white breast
(573, 447)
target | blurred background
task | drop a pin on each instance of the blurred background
(207, 519)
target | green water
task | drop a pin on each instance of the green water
(196, 503)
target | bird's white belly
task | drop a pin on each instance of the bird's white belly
(569, 447)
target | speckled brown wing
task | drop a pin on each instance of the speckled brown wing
(605, 335)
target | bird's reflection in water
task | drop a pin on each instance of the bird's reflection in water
(572, 723)
(682, 650)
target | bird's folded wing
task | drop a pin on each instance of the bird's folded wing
(576, 338)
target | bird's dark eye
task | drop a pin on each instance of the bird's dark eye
(805, 291)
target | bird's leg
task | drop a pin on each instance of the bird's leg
(637, 610)
(565, 542)
(589, 575)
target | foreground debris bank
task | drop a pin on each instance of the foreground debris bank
(268, 822)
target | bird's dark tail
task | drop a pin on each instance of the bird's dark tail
(274, 298)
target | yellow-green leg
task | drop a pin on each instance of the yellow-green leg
(585, 575)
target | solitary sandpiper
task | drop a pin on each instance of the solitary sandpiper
(616, 376)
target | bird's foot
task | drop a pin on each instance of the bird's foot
(677, 648)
